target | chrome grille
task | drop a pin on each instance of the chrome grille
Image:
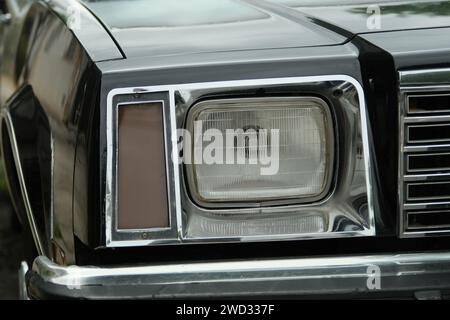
(424, 164)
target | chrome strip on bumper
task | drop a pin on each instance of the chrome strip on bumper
(295, 277)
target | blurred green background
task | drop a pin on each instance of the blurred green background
(3, 186)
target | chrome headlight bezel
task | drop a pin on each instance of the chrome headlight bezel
(347, 210)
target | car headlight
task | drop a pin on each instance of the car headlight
(261, 149)
(183, 167)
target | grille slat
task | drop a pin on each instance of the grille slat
(426, 177)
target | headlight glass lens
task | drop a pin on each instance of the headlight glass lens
(245, 225)
(260, 149)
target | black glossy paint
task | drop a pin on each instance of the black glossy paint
(34, 145)
(44, 86)
(380, 87)
(396, 15)
(201, 26)
(167, 27)
(67, 73)
(429, 48)
(97, 41)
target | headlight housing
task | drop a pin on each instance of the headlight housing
(321, 185)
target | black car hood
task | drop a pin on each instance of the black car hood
(395, 15)
(172, 27)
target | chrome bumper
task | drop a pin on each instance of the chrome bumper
(408, 275)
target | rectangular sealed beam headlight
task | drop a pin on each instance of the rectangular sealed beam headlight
(259, 149)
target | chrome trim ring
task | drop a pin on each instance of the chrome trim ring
(366, 230)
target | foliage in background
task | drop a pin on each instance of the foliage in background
(3, 186)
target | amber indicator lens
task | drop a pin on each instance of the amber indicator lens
(141, 183)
